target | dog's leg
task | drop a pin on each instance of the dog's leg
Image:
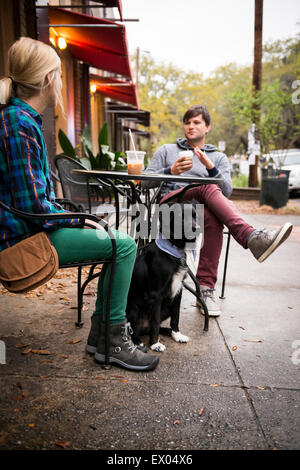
(174, 323)
(156, 345)
(133, 318)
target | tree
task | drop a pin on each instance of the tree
(166, 91)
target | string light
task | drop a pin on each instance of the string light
(62, 43)
(52, 40)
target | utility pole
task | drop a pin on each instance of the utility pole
(256, 80)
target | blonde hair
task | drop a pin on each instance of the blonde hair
(29, 61)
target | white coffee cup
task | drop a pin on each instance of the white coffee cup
(186, 154)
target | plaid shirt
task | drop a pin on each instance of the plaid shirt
(25, 176)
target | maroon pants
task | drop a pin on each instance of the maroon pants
(218, 211)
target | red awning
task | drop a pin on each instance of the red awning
(119, 90)
(102, 47)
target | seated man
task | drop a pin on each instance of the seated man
(218, 209)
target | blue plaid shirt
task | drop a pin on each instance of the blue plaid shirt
(25, 176)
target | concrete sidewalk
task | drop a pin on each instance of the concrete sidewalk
(234, 387)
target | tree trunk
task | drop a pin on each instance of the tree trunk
(256, 79)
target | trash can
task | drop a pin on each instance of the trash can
(274, 187)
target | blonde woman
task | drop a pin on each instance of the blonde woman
(34, 83)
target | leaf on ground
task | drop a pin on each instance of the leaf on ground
(3, 438)
(74, 341)
(214, 385)
(254, 340)
(21, 345)
(201, 411)
(62, 444)
(234, 348)
(177, 421)
(43, 352)
(26, 351)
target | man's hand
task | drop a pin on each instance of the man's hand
(181, 165)
(204, 159)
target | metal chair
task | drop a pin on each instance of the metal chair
(95, 197)
(83, 217)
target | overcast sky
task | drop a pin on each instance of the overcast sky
(201, 35)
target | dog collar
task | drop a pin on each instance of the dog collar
(166, 246)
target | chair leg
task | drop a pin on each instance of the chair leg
(106, 364)
(197, 294)
(79, 323)
(225, 267)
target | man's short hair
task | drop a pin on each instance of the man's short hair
(195, 111)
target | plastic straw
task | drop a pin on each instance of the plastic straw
(132, 141)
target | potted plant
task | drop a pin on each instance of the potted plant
(103, 160)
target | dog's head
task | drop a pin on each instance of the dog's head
(178, 223)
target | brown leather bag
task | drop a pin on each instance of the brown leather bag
(28, 264)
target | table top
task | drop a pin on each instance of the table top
(123, 175)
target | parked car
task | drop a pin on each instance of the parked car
(287, 160)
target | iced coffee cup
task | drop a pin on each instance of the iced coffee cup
(135, 161)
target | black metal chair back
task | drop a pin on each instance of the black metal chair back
(88, 197)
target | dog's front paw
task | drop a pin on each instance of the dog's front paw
(179, 337)
(158, 347)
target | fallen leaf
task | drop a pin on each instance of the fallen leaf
(214, 385)
(21, 345)
(201, 411)
(242, 327)
(234, 348)
(43, 352)
(31, 425)
(74, 341)
(260, 388)
(124, 380)
(64, 356)
(3, 438)
(177, 421)
(254, 340)
(26, 351)
(100, 378)
(62, 444)
(20, 397)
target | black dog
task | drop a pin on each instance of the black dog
(156, 286)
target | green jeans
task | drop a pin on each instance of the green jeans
(76, 244)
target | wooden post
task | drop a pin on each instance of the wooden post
(256, 79)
